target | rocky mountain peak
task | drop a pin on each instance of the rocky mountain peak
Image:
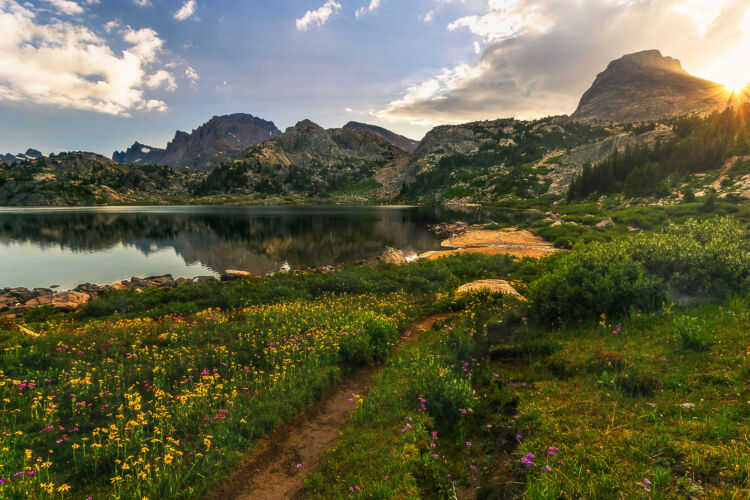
(399, 141)
(647, 86)
(647, 59)
(220, 138)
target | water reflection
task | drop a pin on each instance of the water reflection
(39, 247)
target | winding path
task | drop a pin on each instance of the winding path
(272, 471)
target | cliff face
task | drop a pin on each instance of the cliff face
(221, 138)
(648, 86)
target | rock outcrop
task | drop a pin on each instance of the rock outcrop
(647, 86)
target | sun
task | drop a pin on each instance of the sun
(736, 87)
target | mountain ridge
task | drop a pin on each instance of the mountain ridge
(221, 137)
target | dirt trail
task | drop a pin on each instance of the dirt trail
(272, 471)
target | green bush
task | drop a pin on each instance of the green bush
(695, 258)
(691, 333)
(593, 280)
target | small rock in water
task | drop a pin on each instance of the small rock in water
(393, 256)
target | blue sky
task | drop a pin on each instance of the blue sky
(97, 75)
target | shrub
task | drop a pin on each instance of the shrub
(708, 257)
(599, 278)
(691, 333)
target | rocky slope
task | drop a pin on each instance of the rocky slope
(220, 138)
(30, 154)
(75, 179)
(401, 142)
(307, 159)
(647, 86)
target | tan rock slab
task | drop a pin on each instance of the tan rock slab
(487, 237)
(492, 286)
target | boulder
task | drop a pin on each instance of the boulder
(231, 275)
(22, 294)
(492, 286)
(69, 301)
(392, 256)
(606, 223)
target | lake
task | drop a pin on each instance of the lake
(41, 247)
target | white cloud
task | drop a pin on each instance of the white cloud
(427, 18)
(186, 11)
(374, 4)
(142, 3)
(162, 78)
(193, 76)
(318, 17)
(68, 65)
(66, 7)
(541, 55)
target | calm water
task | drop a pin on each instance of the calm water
(67, 247)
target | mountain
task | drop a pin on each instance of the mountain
(140, 154)
(30, 154)
(401, 142)
(647, 86)
(307, 159)
(221, 138)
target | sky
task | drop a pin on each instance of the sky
(97, 75)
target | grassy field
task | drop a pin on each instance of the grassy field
(626, 372)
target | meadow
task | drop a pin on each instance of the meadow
(624, 373)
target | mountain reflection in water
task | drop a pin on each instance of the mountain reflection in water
(41, 247)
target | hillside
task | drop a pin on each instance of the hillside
(72, 179)
(310, 160)
(220, 138)
(647, 86)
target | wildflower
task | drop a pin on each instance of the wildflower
(468, 444)
(519, 437)
(547, 468)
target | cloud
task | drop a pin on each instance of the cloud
(427, 18)
(193, 76)
(318, 17)
(541, 55)
(374, 4)
(68, 65)
(142, 3)
(186, 11)
(66, 7)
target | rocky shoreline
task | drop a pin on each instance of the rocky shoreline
(462, 238)
(15, 301)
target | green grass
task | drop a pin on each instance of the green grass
(637, 405)
(425, 427)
